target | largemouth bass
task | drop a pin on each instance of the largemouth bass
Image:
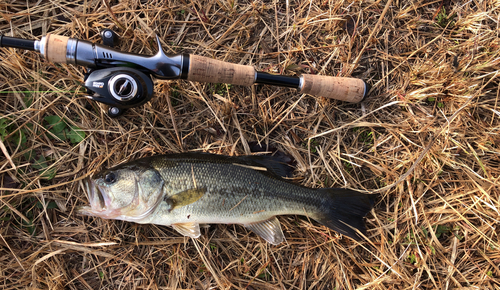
(188, 189)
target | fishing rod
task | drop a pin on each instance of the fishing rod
(123, 80)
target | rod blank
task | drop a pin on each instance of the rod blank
(6, 41)
(277, 80)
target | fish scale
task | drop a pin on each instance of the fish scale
(235, 194)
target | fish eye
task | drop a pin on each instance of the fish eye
(110, 178)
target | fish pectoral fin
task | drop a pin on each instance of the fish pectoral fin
(269, 230)
(185, 197)
(188, 229)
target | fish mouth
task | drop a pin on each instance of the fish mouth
(98, 200)
(100, 203)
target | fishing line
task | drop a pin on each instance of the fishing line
(11, 92)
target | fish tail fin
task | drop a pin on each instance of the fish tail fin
(343, 210)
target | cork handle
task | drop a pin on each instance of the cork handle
(339, 88)
(55, 48)
(207, 70)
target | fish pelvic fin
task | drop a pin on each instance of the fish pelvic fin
(343, 210)
(188, 229)
(269, 230)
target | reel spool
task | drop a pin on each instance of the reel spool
(120, 88)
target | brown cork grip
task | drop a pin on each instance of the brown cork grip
(345, 89)
(208, 70)
(55, 48)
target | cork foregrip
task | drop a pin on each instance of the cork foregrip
(207, 70)
(55, 48)
(339, 88)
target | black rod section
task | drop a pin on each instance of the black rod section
(277, 80)
(185, 66)
(6, 41)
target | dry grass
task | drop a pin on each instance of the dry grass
(427, 140)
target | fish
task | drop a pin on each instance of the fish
(185, 190)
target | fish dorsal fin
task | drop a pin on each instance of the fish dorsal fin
(188, 229)
(269, 230)
(185, 197)
(277, 165)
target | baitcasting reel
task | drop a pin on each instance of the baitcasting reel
(119, 87)
(124, 80)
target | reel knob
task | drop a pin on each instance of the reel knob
(123, 87)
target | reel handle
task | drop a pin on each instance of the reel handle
(207, 70)
(340, 88)
(56, 47)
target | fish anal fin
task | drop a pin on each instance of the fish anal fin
(269, 230)
(188, 229)
(185, 197)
